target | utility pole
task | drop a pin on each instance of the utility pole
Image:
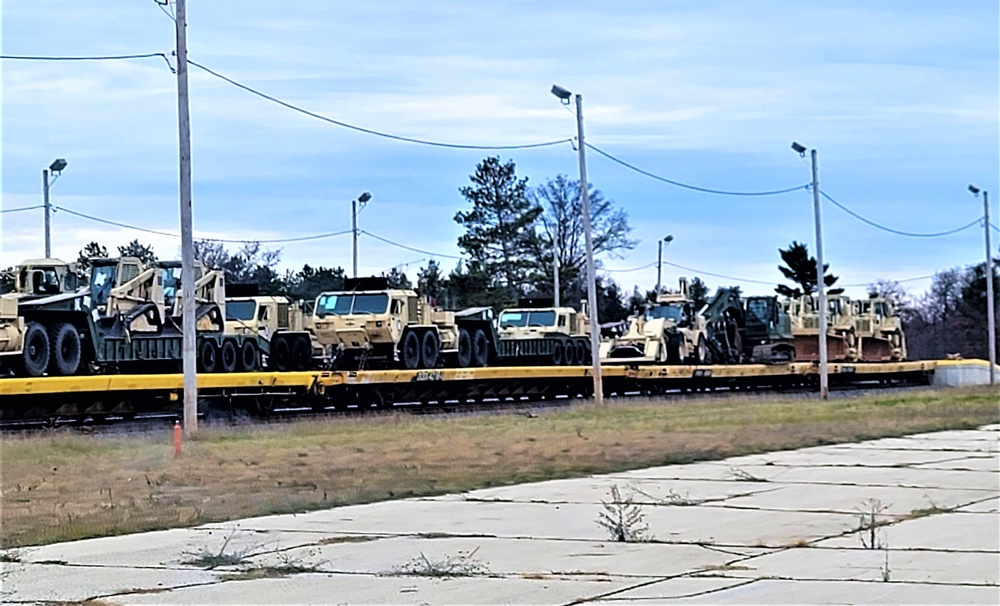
(45, 195)
(188, 278)
(990, 301)
(595, 323)
(991, 319)
(555, 260)
(659, 262)
(824, 377)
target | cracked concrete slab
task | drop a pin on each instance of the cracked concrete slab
(719, 538)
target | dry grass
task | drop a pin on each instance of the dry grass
(65, 487)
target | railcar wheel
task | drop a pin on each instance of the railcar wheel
(35, 352)
(64, 349)
(429, 348)
(464, 348)
(207, 357)
(409, 351)
(301, 353)
(227, 356)
(249, 357)
(480, 348)
(281, 354)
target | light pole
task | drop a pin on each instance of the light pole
(824, 377)
(595, 324)
(362, 200)
(555, 261)
(659, 262)
(56, 167)
(990, 301)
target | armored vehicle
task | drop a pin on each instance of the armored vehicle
(536, 332)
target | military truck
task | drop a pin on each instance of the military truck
(536, 332)
(43, 277)
(669, 331)
(279, 324)
(369, 325)
(122, 321)
(879, 330)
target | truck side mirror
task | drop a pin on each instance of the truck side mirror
(321, 312)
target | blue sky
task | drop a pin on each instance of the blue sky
(900, 98)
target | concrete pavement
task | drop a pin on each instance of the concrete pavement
(781, 527)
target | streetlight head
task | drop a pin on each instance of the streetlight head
(364, 197)
(58, 165)
(799, 149)
(974, 190)
(562, 93)
(668, 239)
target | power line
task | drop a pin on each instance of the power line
(206, 239)
(21, 209)
(896, 281)
(81, 58)
(694, 187)
(368, 130)
(896, 231)
(648, 265)
(404, 246)
(708, 273)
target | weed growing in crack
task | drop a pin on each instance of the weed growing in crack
(623, 519)
(287, 566)
(464, 564)
(208, 559)
(886, 572)
(672, 498)
(745, 476)
(869, 523)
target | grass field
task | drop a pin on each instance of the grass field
(66, 486)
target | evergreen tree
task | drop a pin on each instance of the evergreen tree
(398, 279)
(499, 230)
(90, 251)
(309, 282)
(473, 286)
(431, 282)
(800, 268)
(143, 252)
(698, 291)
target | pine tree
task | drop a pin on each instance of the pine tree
(801, 269)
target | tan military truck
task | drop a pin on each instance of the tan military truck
(879, 330)
(370, 325)
(279, 323)
(841, 335)
(669, 331)
(537, 332)
(44, 277)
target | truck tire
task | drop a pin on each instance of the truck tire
(227, 356)
(557, 355)
(207, 356)
(701, 355)
(64, 349)
(249, 358)
(582, 353)
(569, 354)
(301, 353)
(35, 350)
(409, 350)
(480, 348)
(429, 348)
(464, 357)
(281, 354)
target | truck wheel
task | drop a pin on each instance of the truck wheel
(227, 356)
(429, 348)
(249, 359)
(206, 356)
(480, 348)
(281, 354)
(64, 349)
(409, 351)
(464, 348)
(301, 353)
(557, 355)
(569, 353)
(582, 353)
(35, 351)
(702, 356)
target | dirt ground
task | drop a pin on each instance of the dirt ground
(66, 485)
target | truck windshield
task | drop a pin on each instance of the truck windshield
(347, 304)
(241, 310)
(509, 319)
(668, 312)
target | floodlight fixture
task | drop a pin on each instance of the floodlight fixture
(974, 190)
(58, 165)
(799, 149)
(562, 93)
